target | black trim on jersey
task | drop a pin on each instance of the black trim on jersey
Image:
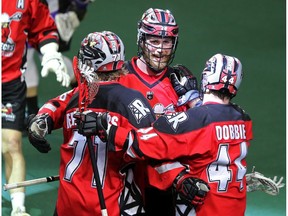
(55, 103)
(135, 145)
(74, 101)
(116, 98)
(111, 143)
(111, 137)
(201, 117)
(113, 97)
(130, 68)
(47, 41)
(44, 2)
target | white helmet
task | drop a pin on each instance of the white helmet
(222, 73)
(103, 51)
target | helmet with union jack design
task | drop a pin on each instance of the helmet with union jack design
(222, 73)
(157, 23)
(103, 51)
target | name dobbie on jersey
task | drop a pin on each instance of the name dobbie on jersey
(227, 132)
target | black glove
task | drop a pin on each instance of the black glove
(90, 123)
(183, 80)
(38, 127)
(191, 190)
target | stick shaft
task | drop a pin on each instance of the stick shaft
(96, 176)
(30, 182)
(83, 102)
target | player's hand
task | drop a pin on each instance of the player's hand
(185, 85)
(38, 127)
(53, 62)
(191, 190)
(90, 123)
(183, 80)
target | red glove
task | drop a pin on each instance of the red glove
(191, 190)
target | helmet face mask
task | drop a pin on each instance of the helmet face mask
(222, 73)
(157, 24)
(103, 51)
(157, 52)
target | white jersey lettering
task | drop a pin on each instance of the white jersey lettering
(176, 118)
(226, 132)
(20, 4)
(138, 109)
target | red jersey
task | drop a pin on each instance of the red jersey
(77, 194)
(158, 90)
(212, 140)
(22, 20)
(162, 97)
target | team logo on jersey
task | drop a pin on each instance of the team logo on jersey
(175, 119)
(7, 112)
(159, 109)
(8, 45)
(138, 109)
(149, 95)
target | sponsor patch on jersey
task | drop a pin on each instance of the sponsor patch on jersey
(138, 109)
(149, 95)
(175, 119)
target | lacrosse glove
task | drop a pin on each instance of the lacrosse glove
(38, 127)
(192, 191)
(90, 123)
(66, 24)
(52, 61)
(185, 84)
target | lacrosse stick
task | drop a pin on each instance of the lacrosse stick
(88, 88)
(30, 182)
(258, 182)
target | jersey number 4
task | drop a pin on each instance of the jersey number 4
(220, 171)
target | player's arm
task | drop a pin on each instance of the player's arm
(191, 190)
(50, 117)
(56, 107)
(44, 37)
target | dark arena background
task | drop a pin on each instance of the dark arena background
(254, 31)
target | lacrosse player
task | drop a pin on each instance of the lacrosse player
(23, 20)
(212, 139)
(67, 14)
(101, 56)
(150, 73)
